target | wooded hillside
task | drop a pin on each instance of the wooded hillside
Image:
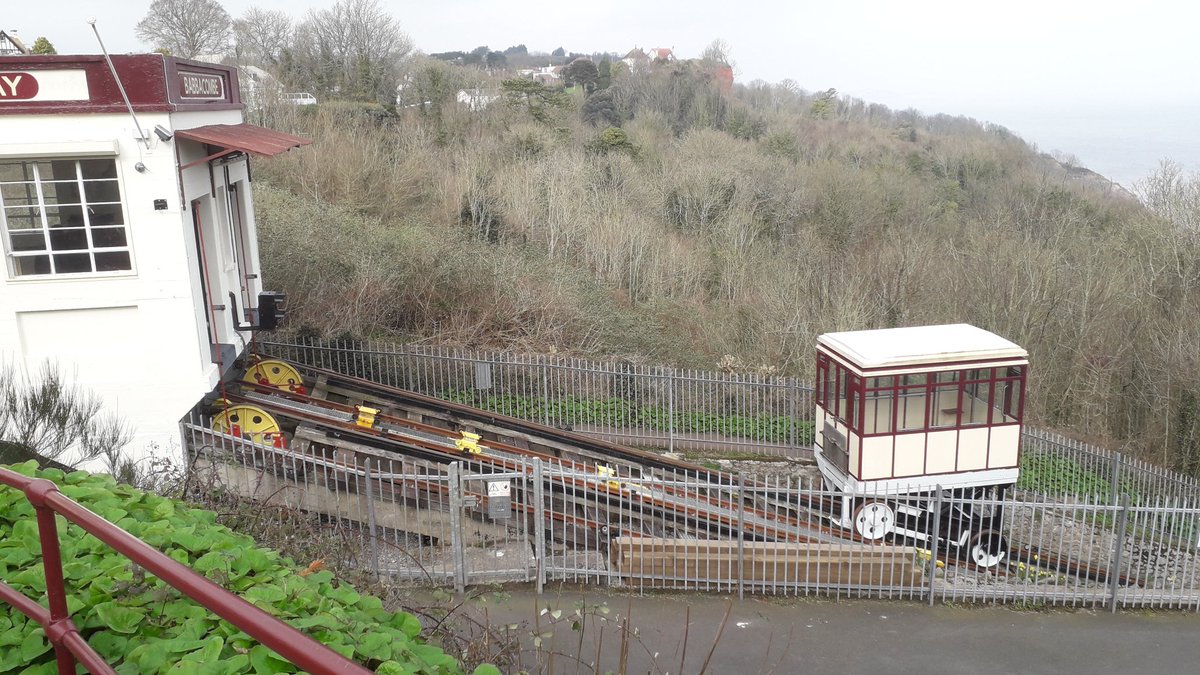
(660, 220)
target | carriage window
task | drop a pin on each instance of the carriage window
(822, 376)
(879, 404)
(63, 216)
(1006, 408)
(854, 395)
(910, 403)
(975, 403)
(944, 410)
(843, 389)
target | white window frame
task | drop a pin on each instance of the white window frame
(88, 229)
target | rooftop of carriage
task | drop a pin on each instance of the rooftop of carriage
(920, 346)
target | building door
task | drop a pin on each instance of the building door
(202, 260)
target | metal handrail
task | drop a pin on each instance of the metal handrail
(303, 651)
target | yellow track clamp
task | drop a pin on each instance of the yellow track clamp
(469, 443)
(247, 421)
(608, 472)
(277, 374)
(366, 416)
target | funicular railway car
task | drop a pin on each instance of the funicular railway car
(903, 413)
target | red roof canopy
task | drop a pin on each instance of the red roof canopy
(244, 137)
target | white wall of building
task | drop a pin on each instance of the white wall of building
(138, 339)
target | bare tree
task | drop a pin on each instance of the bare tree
(186, 27)
(352, 49)
(261, 36)
(718, 52)
(1173, 195)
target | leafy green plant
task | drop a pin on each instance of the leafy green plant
(1055, 475)
(141, 625)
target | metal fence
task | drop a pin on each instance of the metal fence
(463, 524)
(618, 401)
(1056, 465)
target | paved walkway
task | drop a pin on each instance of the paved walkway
(823, 636)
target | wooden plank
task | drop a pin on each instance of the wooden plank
(766, 562)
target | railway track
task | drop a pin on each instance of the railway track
(601, 488)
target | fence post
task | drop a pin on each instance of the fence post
(456, 539)
(545, 392)
(670, 410)
(792, 420)
(1116, 477)
(1114, 574)
(371, 519)
(741, 533)
(406, 366)
(539, 524)
(933, 544)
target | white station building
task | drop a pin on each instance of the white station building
(130, 258)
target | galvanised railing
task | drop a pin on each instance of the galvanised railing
(463, 524)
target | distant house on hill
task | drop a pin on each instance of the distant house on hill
(476, 99)
(11, 45)
(258, 86)
(545, 74)
(637, 59)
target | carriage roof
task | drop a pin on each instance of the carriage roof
(918, 345)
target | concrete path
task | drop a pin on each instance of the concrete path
(824, 636)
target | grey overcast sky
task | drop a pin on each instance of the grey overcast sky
(1112, 82)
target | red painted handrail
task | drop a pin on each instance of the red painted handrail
(69, 645)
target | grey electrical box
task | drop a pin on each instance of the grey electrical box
(499, 499)
(483, 375)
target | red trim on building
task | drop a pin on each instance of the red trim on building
(154, 83)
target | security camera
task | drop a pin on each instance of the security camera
(162, 132)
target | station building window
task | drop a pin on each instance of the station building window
(63, 216)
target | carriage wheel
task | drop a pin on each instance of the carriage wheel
(874, 520)
(988, 548)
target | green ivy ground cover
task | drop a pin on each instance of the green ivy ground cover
(141, 625)
(1053, 475)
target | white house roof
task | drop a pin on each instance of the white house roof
(920, 345)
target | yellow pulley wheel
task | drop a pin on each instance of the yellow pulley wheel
(277, 374)
(248, 421)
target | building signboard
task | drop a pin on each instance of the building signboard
(43, 85)
(204, 86)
